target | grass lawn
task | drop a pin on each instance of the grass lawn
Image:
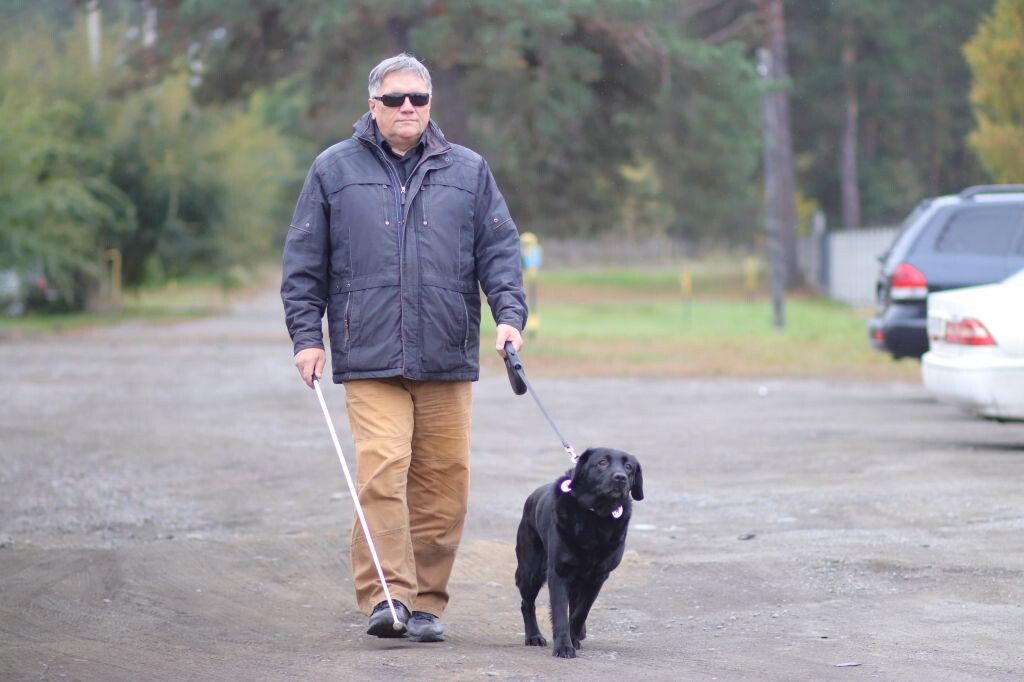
(637, 323)
(609, 322)
(184, 299)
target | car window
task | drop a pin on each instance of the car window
(983, 230)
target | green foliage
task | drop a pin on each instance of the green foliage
(566, 100)
(597, 117)
(996, 56)
(912, 84)
(58, 208)
(208, 181)
(88, 165)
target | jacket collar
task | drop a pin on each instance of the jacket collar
(363, 130)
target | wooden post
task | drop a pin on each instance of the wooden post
(114, 256)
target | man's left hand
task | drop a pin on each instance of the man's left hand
(507, 332)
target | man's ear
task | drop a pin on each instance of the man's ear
(637, 491)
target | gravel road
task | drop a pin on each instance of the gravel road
(171, 508)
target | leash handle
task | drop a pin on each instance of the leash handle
(514, 368)
(521, 385)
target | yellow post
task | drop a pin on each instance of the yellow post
(751, 266)
(532, 256)
(114, 256)
(686, 284)
(686, 287)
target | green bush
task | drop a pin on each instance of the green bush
(89, 163)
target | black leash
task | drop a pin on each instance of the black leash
(521, 385)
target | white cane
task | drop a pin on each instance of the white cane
(397, 625)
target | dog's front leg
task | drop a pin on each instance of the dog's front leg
(586, 595)
(558, 593)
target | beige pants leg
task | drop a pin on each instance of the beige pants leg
(412, 461)
(438, 485)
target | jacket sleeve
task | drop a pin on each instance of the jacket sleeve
(498, 260)
(305, 264)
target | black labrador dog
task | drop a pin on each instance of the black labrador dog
(572, 535)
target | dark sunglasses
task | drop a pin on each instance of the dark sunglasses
(397, 99)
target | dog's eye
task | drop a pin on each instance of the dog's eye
(627, 466)
(603, 463)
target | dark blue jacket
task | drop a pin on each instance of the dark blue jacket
(398, 270)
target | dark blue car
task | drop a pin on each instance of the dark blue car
(975, 237)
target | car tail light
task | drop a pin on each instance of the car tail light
(907, 283)
(968, 332)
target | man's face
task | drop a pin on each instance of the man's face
(401, 126)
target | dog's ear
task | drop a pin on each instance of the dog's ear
(637, 491)
(581, 462)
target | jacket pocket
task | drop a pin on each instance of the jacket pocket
(446, 329)
(445, 227)
(375, 329)
(339, 330)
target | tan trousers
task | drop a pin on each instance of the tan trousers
(412, 473)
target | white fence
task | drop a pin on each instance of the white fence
(850, 263)
(840, 264)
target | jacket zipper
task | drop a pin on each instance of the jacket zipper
(400, 208)
(465, 336)
(400, 217)
(348, 302)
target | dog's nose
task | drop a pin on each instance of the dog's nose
(619, 477)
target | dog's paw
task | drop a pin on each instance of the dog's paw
(575, 644)
(578, 636)
(536, 640)
(564, 648)
(564, 652)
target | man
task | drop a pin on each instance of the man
(394, 234)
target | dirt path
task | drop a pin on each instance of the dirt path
(171, 508)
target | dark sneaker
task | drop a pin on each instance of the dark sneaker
(383, 625)
(423, 627)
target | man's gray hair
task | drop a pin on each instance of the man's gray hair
(401, 62)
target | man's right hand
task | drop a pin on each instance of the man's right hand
(310, 363)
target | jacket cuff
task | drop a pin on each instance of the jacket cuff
(512, 320)
(303, 345)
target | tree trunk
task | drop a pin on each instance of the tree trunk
(869, 146)
(849, 182)
(452, 114)
(94, 29)
(784, 201)
(940, 116)
(770, 125)
(398, 35)
(149, 24)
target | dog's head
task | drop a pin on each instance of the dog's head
(604, 477)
